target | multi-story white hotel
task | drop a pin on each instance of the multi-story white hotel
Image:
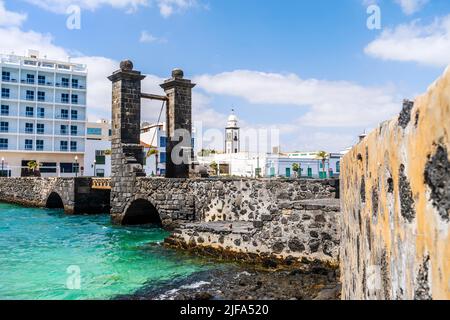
(43, 115)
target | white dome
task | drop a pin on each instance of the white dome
(232, 118)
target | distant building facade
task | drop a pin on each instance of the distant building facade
(42, 116)
(97, 160)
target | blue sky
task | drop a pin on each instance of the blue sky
(311, 69)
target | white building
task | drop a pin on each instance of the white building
(232, 135)
(234, 162)
(97, 160)
(153, 137)
(309, 165)
(43, 115)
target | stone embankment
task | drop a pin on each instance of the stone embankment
(300, 232)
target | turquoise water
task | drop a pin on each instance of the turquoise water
(42, 251)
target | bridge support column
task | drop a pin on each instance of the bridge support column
(179, 147)
(127, 154)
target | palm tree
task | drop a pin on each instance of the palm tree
(33, 166)
(322, 155)
(296, 168)
(214, 167)
(154, 152)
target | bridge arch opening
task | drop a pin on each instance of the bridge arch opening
(54, 201)
(141, 212)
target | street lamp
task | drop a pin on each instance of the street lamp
(3, 165)
(76, 167)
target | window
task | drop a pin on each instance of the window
(73, 146)
(3, 144)
(6, 76)
(75, 83)
(30, 95)
(338, 167)
(29, 111)
(5, 110)
(63, 147)
(110, 132)
(41, 80)
(163, 157)
(74, 114)
(28, 144)
(162, 142)
(4, 126)
(48, 65)
(39, 145)
(73, 130)
(94, 131)
(63, 129)
(66, 167)
(30, 78)
(74, 99)
(28, 127)
(100, 173)
(64, 97)
(64, 114)
(65, 82)
(41, 112)
(40, 128)
(41, 96)
(47, 167)
(5, 93)
(100, 157)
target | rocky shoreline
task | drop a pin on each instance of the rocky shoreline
(244, 282)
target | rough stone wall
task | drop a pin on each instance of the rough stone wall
(226, 199)
(395, 199)
(304, 231)
(267, 218)
(35, 191)
(252, 199)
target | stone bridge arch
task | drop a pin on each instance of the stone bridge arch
(141, 211)
(54, 201)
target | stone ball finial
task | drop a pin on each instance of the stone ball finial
(126, 65)
(177, 73)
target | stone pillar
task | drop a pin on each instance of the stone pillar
(179, 125)
(127, 154)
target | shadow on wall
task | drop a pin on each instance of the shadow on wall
(54, 201)
(141, 212)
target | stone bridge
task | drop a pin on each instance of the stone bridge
(74, 195)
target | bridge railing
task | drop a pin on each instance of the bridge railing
(101, 183)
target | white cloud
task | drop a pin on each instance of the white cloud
(169, 7)
(326, 103)
(166, 7)
(147, 37)
(425, 44)
(408, 7)
(411, 6)
(9, 18)
(60, 6)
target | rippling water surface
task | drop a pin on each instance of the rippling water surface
(38, 247)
